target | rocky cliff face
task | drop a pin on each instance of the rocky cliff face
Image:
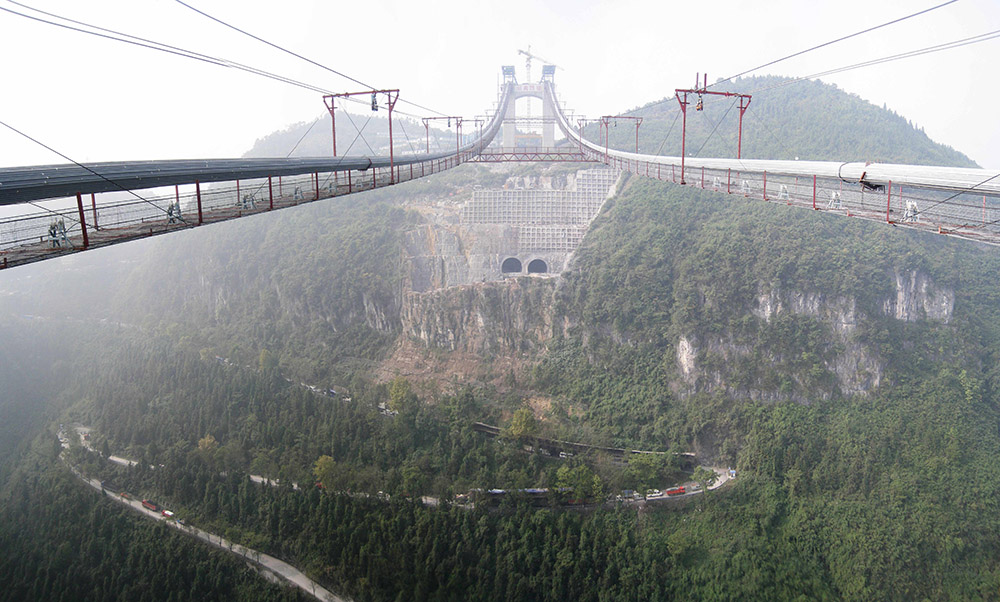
(531, 225)
(445, 255)
(510, 317)
(918, 298)
(381, 317)
(856, 368)
(462, 291)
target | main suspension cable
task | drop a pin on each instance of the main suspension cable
(80, 165)
(118, 36)
(825, 44)
(717, 124)
(299, 56)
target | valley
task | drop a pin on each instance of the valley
(333, 385)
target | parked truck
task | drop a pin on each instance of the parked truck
(676, 491)
(150, 504)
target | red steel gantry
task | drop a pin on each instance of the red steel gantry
(391, 95)
(458, 130)
(744, 100)
(606, 119)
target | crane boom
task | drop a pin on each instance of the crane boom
(527, 69)
(530, 56)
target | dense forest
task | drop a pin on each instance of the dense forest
(881, 491)
(698, 269)
(911, 470)
(62, 543)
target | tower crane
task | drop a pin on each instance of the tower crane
(527, 69)
(527, 62)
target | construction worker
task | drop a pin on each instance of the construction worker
(62, 231)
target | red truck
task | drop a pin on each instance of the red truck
(151, 505)
(675, 491)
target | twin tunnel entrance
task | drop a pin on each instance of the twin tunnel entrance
(512, 265)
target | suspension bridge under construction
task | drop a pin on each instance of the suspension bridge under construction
(101, 204)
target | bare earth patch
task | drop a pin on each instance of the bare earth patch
(434, 372)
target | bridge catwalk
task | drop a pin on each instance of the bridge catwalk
(960, 202)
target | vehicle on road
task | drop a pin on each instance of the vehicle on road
(676, 491)
(151, 505)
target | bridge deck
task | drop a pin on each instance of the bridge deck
(533, 154)
(42, 246)
(959, 202)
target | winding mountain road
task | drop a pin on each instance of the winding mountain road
(264, 562)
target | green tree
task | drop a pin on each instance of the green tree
(523, 424)
(414, 481)
(267, 361)
(207, 445)
(324, 469)
(705, 477)
(645, 471)
(581, 479)
(401, 395)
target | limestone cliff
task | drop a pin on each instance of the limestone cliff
(510, 317)
(856, 367)
(917, 298)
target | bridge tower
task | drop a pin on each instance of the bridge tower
(533, 90)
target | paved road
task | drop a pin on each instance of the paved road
(721, 474)
(262, 480)
(271, 564)
(279, 567)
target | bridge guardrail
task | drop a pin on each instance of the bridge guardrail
(106, 217)
(960, 202)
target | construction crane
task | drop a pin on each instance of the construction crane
(527, 62)
(527, 69)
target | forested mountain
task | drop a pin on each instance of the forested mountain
(357, 134)
(806, 120)
(847, 369)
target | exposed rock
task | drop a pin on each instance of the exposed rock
(768, 304)
(839, 312)
(535, 221)
(378, 317)
(918, 297)
(858, 369)
(512, 316)
(686, 355)
(441, 255)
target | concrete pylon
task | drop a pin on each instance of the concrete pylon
(509, 126)
(548, 123)
(548, 116)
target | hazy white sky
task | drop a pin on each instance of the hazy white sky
(95, 99)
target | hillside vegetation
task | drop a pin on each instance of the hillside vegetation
(864, 426)
(808, 120)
